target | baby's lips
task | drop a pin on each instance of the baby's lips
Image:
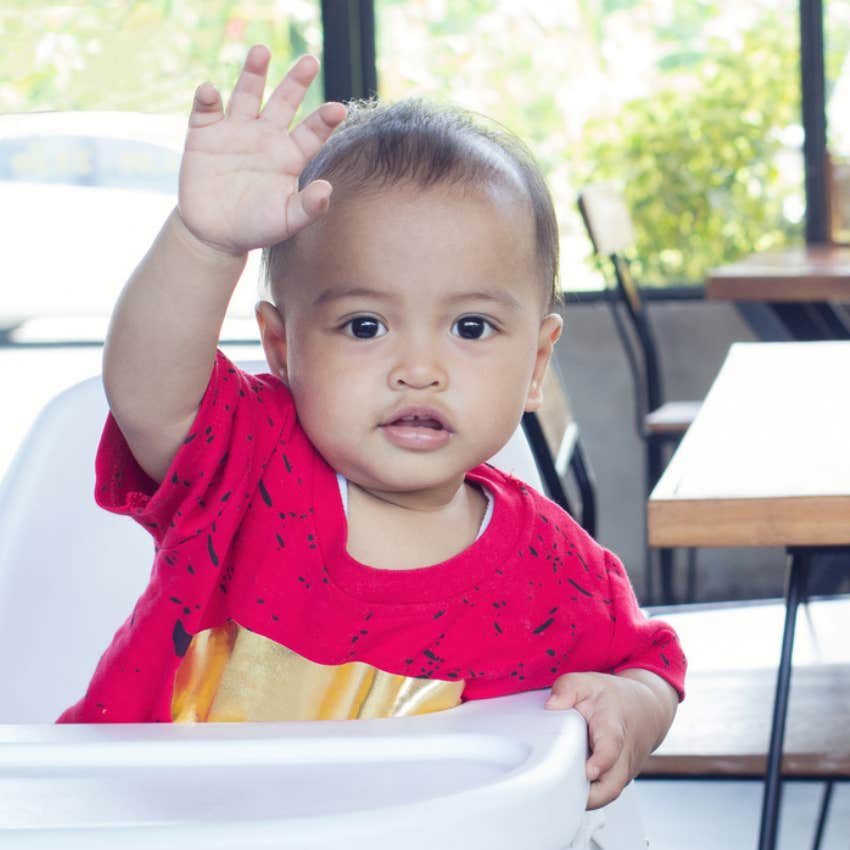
(418, 417)
(419, 422)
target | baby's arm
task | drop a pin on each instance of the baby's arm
(627, 714)
(238, 191)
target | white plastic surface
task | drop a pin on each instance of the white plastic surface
(500, 773)
(441, 780)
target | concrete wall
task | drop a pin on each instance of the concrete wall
(693, 337)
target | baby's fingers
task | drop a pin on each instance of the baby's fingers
(248, 92)
(606, 748)
(314, 130)
(284, 101)
(207, 107)
(609, 786)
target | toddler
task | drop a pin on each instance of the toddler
(329, 539)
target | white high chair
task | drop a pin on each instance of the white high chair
(499, 773)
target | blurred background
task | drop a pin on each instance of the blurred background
(699, 100)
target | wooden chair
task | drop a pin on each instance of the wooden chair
(838, 217)
(723, 726)
(610, 228)
(838, 198)
(553, 436)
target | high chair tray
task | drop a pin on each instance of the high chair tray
(500, 773)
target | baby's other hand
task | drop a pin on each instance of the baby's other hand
(240, 168)
(627, 717)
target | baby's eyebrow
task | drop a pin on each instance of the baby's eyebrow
(328, 295)
(500, 296)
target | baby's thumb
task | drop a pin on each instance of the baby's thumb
(304, 207)
(567, 691)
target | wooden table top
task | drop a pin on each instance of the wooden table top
(767, 459)
(801, 274)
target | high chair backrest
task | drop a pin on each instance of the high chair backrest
(69, 575)
(70, 572)
(553, 436)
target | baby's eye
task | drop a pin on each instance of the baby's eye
(364, 327)
(473, 327)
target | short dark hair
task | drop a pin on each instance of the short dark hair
(414, 140)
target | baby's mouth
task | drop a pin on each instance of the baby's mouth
(416, 421)
(419, 429)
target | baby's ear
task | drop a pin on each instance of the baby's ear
(273, 337)
(550, 330)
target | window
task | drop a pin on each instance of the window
(95, 98)
(692, 106)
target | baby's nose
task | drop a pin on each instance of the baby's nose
(419, 370)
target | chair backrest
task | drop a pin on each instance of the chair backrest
(553, 436)
(838, 198)
(71, 572)
(607, 219)
(609, 224)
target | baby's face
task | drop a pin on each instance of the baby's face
(414, 330)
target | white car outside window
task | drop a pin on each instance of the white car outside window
(82, 196)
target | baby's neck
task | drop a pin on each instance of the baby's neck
(404, 533)
(433, 500)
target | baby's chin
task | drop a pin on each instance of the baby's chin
(426, 492)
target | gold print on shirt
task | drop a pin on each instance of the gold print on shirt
(230, 673)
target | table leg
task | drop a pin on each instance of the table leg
(811, 320)
(665, 564)
(825, 802)
(772, 798)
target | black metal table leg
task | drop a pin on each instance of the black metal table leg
(772, 798)
(665, 564)
(822, 815)
(811, 320)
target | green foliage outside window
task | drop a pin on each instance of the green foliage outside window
(142, 55)
(688, 108)
(692, 106)
(701, 160)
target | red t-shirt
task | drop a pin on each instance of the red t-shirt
(249, 526)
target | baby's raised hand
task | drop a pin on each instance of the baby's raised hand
(627, 717)
(240, 168)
